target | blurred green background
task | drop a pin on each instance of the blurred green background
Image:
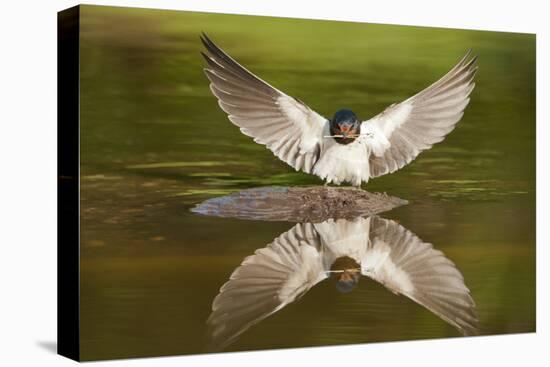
(154, 143)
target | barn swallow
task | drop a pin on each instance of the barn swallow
(343, 148)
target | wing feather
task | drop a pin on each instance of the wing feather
(404, 264)
(403, 130)
(286, 126)
(265, 282)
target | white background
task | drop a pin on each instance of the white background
(28, 183)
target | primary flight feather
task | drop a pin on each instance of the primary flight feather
(342, 149)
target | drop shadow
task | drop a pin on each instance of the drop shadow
(50, 346)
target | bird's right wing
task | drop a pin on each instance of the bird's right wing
(265, 282)
(404, 264)
(286, 126)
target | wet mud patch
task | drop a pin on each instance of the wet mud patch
(298, 204)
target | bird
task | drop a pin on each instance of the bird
(342, 149)
(345, 250)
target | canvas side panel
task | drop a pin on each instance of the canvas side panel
(68, 241)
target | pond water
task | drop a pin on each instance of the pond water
(154, 144)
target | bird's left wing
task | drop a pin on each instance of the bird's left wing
(404, 264)
(265, 282)
(403, 130)
(286, 126)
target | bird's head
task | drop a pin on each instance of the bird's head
(346, 272)
(346, 124)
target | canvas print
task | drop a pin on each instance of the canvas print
(237, 183)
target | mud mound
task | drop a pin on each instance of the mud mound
(299, 204)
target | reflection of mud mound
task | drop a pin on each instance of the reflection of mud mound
(298, 204)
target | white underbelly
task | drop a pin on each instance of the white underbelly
(343, 163)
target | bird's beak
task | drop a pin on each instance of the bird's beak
(345, 128)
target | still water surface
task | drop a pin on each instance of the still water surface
(154, 144)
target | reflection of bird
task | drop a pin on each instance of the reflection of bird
(342, 149)
(297, 260)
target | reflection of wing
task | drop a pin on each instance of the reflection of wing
(273, 277)
(405, 129)
(289, 128)
(404, 264)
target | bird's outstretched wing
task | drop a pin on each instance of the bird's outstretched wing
(404, 264)
(289, 128)
(403, 130)
(265, 282)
